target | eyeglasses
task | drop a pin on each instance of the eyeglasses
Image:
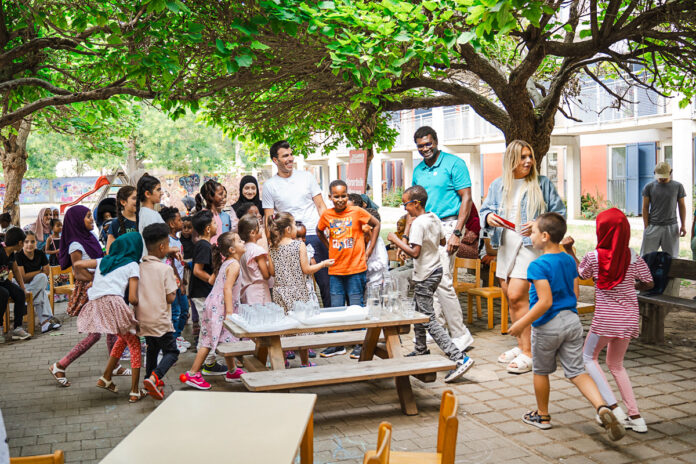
(410, 201)
(424, 145)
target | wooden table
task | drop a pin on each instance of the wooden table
(194, 426)
(268, 346)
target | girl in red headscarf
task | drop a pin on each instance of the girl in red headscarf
(617, 271)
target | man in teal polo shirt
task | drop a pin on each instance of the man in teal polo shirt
(446, 179)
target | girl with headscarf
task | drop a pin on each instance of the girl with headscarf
(42, 227)
(80, 249)
(519, 196)
(107, 313)
(248, 192)
(618, 272)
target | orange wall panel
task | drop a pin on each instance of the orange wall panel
(492, 168)
(593, 170)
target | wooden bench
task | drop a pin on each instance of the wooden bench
(331, 374)
(654, 308)
(300, 343)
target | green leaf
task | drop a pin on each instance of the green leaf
(256, 45)
(384, 84)
(465, 37)
(173, 6)
(114, 39)
(194, 28)
(327, 5)
(430, 5)
(244, 61)
(220, 45)
(585, 33)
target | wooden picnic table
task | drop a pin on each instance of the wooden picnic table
(194, 426)
(268, 346)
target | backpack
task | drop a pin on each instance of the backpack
(659, 263)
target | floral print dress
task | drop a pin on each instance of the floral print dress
(212, 318)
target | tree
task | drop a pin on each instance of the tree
(83, 52)
(336, 66)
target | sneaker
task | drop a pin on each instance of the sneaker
(618, 413)
(309, 364)
(289, 355)
(464, 342)
(214, 369)
(463, 365)
(194, 380)
(615, 430)
(183, 342)
(312, 353)
(126, 355)
(180, 347)
(355, 354)
(234, 376)
(417, 353)
(20, 334)
(333, 351)
(637, 425)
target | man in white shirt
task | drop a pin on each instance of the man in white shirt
(297, 193)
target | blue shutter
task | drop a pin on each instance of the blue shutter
(633, 200)
(647, 153)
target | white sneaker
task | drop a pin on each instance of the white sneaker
(182, 341)
(637, 425)
(182, 349)
(463, 342)
(618, 413)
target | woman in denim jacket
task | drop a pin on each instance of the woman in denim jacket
(519, 196)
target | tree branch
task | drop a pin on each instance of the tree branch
(33, 82)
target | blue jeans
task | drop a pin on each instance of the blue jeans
(321, 276)
(179, 313)
(348, 289)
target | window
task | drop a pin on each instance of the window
(617, 177)
(668, 154)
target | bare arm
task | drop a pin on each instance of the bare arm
(47, 248)
(200, 273)
(412, 251)
(230, 279)
(682, 217)
(133, 291)
(543, 289)
(310, 269)
(267, 213)
(262, 261)
(271, 266)
(18, 275)
(646, 211)
(319, 203)
(171, 297)
(80, 266)
(462, 217)
(374, 235)
(109, 240)
(322, 237)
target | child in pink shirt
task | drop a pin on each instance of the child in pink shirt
(254, 272)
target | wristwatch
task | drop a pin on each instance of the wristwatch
(458, 233)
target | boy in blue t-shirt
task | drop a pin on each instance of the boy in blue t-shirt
(556, 327)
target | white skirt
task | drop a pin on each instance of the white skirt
(513, 257)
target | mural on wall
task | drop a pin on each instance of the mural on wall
(66, 189)
(59, 190)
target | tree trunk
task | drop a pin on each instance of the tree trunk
(535, 132)
(133, 164)
(13, 154)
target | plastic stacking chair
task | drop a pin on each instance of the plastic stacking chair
(490, 293)
(446, 438)
(53, 289)
(382, 454)
(56, 458)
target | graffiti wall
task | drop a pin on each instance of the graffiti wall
(60, 190)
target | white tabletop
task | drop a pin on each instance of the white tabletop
(195, 426)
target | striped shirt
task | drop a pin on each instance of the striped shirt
(616, 310)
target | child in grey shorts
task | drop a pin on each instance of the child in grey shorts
(556, 327)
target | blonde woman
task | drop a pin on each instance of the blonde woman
(519, 196)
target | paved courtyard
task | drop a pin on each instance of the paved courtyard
(87, 422)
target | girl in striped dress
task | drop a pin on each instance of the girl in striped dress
(618, 272)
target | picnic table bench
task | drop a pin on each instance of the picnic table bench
(654, 308)
(269, 345)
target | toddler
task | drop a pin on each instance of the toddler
(53, 242)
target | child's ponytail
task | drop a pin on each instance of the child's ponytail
(221, 250)
(277, 225)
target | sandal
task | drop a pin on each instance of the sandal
(54, 369)
(509, 355)
(109, 385)
(615, 430)
(121, 371)
(135, 397)
(523, 363)
(542, 422)
(153, 387)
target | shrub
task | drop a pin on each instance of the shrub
(393, 198)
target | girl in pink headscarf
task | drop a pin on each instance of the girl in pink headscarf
(42, 227)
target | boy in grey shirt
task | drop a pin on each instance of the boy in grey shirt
(660, 200)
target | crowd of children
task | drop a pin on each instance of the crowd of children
(202, 266)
